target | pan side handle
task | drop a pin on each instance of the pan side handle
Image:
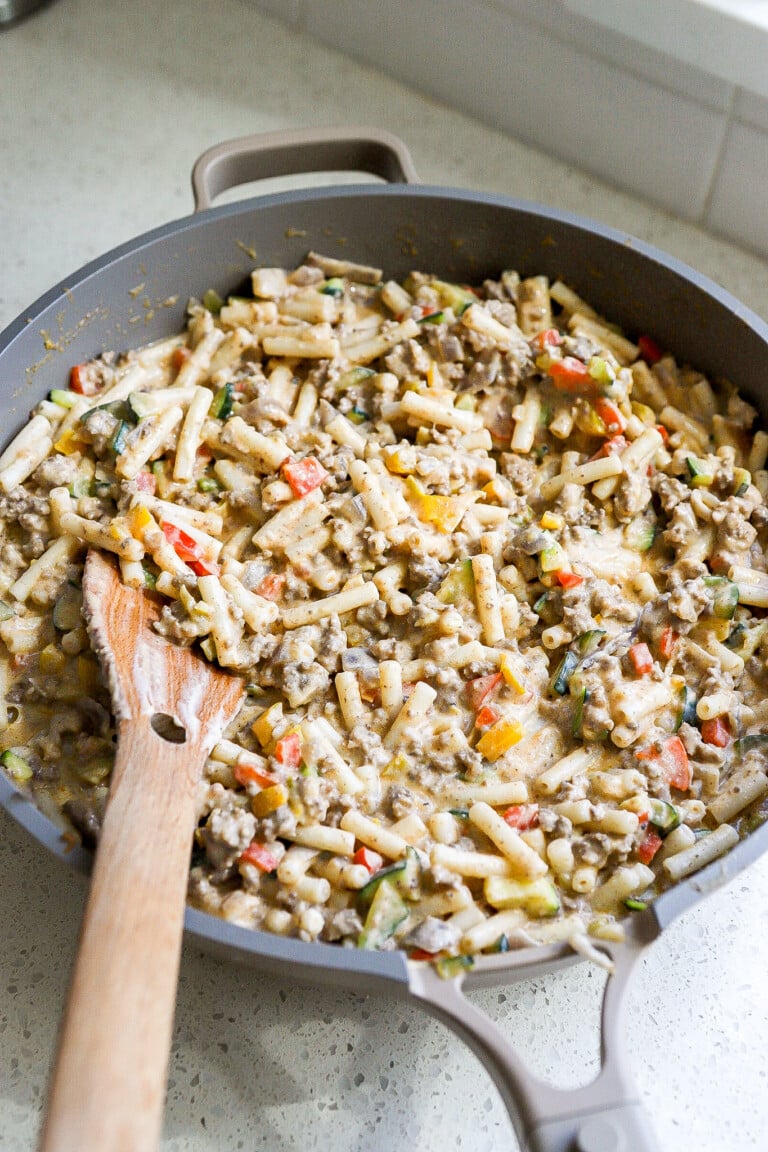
(258, 157)
(603, 1116)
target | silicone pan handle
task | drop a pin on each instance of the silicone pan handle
(248, 158)
(604, 1116)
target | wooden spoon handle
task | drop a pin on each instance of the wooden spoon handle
(109, 1081)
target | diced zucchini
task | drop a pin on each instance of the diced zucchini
(664, 816)
(17, 768)
(432, 318)
(333, 287)
(698, 475)
(357, 416)
(6, 612)
(746, 640)
(208, 484)
(635, 905)
(209, 649)
(447, 967)
(725, 596)
(687, 708)
(558, 685)
(748, 743)
(140, 405)
(212, 301)
(589, 641)
(80, 486)
(352, 377)
(578, 714)
(120, 409)
(458, 584)
(222, 403)
(459, 813)
(68, 609)
(601, 371)
(453, 296)
(387, 912)
(150, 578)
(404, 874)
(536, 897)
(552, 558)
(741, 481)
(119, 438)
(640, 533)
(64, 398)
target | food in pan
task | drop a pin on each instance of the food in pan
(494, 575)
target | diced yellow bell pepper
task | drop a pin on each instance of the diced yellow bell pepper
(551, 520)
(265, 725)
(398, 461)
(445, 512)
(510, 674)
(466, 403)
(434, 379)
(499, 739)
(397, 766)
(139, 518)
(644, 413)
(52, 660)
(68, 443)
(268, 800)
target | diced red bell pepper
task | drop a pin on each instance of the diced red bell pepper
(260, 857)
(146, 481)
(667, 642)
(81, 381)
(571, 375)
(663, 433)
(673, 761)
(422, 954)
(479, 689)
(179, 357)
(288, 750)
(204, 567)
(549, 338)
(487, 716)
(271, 587)
(568, 579)
(716, 731)
(610, 414)
(522, 816)
(189, 550)
(250, 774)
(613, 447)
(649, 846)
(649, 349)
(368, 858)
(641, 659)
(304, 475)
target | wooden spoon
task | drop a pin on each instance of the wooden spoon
(108, 1086)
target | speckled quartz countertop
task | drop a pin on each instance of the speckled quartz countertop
(104, 109)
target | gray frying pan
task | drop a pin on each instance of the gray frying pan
(462, 236)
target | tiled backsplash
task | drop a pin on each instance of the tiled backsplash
(641, 120)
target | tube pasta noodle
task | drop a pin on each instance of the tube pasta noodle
(492, 577)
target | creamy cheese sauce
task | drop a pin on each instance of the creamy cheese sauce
(494, 574)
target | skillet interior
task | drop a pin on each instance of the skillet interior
(138, 293)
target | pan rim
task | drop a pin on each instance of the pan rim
(206, 928)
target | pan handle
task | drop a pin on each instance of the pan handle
(258, 157)
(603, 1116)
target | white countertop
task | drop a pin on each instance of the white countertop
(104, 109)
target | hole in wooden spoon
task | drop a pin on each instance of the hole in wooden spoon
(167, 728)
